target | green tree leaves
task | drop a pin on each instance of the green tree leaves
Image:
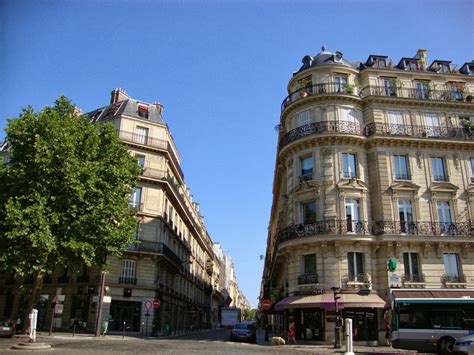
(64, 194)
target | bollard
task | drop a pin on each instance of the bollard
(74, 330)
(33, 320)
(123, 334)
(349, 347)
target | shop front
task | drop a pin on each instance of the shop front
(125, 316)
(315, 315)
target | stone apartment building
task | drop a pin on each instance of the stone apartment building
(374, 166)
(174, 261)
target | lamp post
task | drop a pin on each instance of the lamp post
(337, 324)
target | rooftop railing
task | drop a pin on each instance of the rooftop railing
(442, 94)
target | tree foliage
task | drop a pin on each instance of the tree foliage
(64, 194)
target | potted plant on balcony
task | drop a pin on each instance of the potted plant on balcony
(349, 88)
(468, 127)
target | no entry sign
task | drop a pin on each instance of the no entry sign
(266, 305)
(156, 303)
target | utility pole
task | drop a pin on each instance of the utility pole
(100, 304)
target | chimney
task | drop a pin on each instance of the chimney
(422, 55)
(118, 95)
(159, 107)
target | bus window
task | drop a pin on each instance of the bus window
(410, 319)
(446, 319)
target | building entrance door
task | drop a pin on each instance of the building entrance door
(309, 324)
(125, 314)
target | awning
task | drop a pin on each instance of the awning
(434, 296)
(326, 301)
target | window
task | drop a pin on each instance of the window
(456, 90)
(141, 161)
(308, 212)
(379, 63)
(472, 170)
(306, 169)
(309, 264)
(135, 198)
(405, 214)
(352, 215)
(438, 169)
(432, 127)
(400, 164)
(355, 261)
(395, 123)
(143, 110)
(303, 118)
(422, 90)
(341, 83)
(127, 275)
(390, 87)
(444, 218)
(412, 267)
(141, 135)
(452, 269)
(349, 165)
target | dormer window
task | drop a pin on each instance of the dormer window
(467, 68)
(377, 61)
(143, 110)
(440, 66)
(412, 64)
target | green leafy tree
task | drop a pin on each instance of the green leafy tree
(250, 314)
(64, 194)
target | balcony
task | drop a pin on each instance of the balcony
(153, 173)
(459, 229)
(308, 279)
(129, 280)
(146, 246)
(306, 177)
(412, 131)
(444, 94)
(136, 205)
(317, 90)
(130, 137)
(449, 280)
(361, 280)
(338, 227)
(323, 127)
(402, 177)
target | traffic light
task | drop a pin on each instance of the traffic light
(266, 291)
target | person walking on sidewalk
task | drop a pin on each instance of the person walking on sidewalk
(291, 333)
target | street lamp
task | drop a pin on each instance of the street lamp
(337, 324)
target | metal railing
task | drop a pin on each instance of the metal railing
(461, 229)
(443, 94)
(402, 177)
(147, 246)
(308, 279)
(306, 177)
(461, 278)
(322, 227)
(415, 278)
(357, 280)
(323, 127)
(413, 131)
(318, 89)
(127, 280)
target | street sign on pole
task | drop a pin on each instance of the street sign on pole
(148, 304)
(266, 305)
(156, 303)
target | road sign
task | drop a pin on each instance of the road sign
(156, 303)
(266, 305)
(148, 304)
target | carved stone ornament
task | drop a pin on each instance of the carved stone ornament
(419, 159)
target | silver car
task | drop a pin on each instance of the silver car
(465, 344)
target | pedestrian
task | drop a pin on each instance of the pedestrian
(387, 317)
(291, 333)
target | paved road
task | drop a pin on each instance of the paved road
(215, 342)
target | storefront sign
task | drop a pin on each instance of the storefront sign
(311, 292)
(395, 280)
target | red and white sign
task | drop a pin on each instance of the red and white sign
(156, 303)
(266, 305)
(148, 304)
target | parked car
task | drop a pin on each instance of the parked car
(7, 328)
(245, 331)
(464, 344)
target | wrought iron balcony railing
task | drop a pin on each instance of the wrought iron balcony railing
(358, 280)
(308, 279)
(442, 94)
(323, 127)
(462, 229)
(402, 177)
(322, 227)
(461, 278)
(412, 131)
(413, 278)
(318, 89)
(130, 280)
(306, 177)
(155, 248)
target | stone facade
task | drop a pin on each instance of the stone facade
(375, 163)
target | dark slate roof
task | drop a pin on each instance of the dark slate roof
(325, 58)
(467, 67)
(127, 107)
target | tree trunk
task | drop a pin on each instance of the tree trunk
(34, 297)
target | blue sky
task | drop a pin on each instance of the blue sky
(220, 68)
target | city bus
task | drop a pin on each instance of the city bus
(431, 320)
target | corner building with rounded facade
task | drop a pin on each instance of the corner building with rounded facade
(375, 163)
